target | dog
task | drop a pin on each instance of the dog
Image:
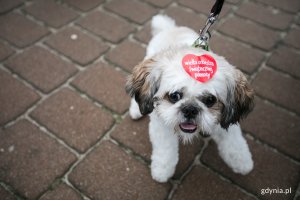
(182, 103)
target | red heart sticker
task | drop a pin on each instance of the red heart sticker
(201, 68)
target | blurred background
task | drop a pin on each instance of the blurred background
(65, 131)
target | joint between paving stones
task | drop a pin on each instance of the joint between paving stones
(102, 58)
(228, 180)
(11, 191)
(272, 148)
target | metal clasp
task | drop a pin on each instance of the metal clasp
(203, 40)
(204, 37)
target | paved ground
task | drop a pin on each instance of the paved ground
(65, 130)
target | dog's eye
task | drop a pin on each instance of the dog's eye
(209, 101)
(174, 97)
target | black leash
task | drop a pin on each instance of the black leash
(204, 37)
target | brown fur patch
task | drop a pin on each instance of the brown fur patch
(217, 109)
(166, 97)
(244, 94)
(238, 102)
(137, 80)
(143, 84)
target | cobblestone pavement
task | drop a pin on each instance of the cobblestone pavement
(65, 130)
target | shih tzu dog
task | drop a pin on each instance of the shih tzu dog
(187, 91)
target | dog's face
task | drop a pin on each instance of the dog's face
(161, 85)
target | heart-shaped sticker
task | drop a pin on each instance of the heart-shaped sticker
(201, 68)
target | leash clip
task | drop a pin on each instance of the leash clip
(205, 35)
(211, 19)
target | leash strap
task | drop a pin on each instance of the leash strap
(205, 35)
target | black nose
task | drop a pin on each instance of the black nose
(190, 111)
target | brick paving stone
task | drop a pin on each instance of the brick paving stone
(134, 134)
(204, 6)
(241, 56)
(77, 45)
(61, 192)
(182, 16)
(287, 5)
(271, 170)
(19, 30)
(106, 85)
(250, 32)
(298, 21)
(75, 120)
(7, 5)
(15, 98)
(292, 38)
(51, 13)
(187, 154)
(159, 3)
(133, 10)
(278, 88)
(286, 59)
(41, 68)
(186, 18)
(281, 131)
(5, 51)
(107, 26)
(127, 55)
(84, 5)
(109, 173)
(201, 183)
(233, 1)
(5, 195)
(144, 35)
(27, 155)
(264, 15)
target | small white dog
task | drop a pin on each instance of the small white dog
(188, 90)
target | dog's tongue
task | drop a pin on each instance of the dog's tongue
(188, 127)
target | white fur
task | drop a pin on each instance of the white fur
(233, 149)
(134, 110)
(165, 150)
(160, 23)
(167, 47)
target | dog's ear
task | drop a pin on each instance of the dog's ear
(143, 83)
(239, 101)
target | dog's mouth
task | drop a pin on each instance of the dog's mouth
(188, 127)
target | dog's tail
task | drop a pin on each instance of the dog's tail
(160, 23)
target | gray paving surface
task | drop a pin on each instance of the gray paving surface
(65, 130)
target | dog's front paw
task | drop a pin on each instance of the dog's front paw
(239, 161)
(244, 167)
(161, 173)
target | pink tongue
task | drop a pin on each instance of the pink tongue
(188, 126)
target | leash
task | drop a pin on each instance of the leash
(205, 35)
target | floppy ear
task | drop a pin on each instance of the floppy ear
(143, 83)
(239, 102)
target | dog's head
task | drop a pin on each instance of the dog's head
(161, 85)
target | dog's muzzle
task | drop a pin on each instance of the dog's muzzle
(190, 112)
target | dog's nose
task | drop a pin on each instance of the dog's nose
(190, 111)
